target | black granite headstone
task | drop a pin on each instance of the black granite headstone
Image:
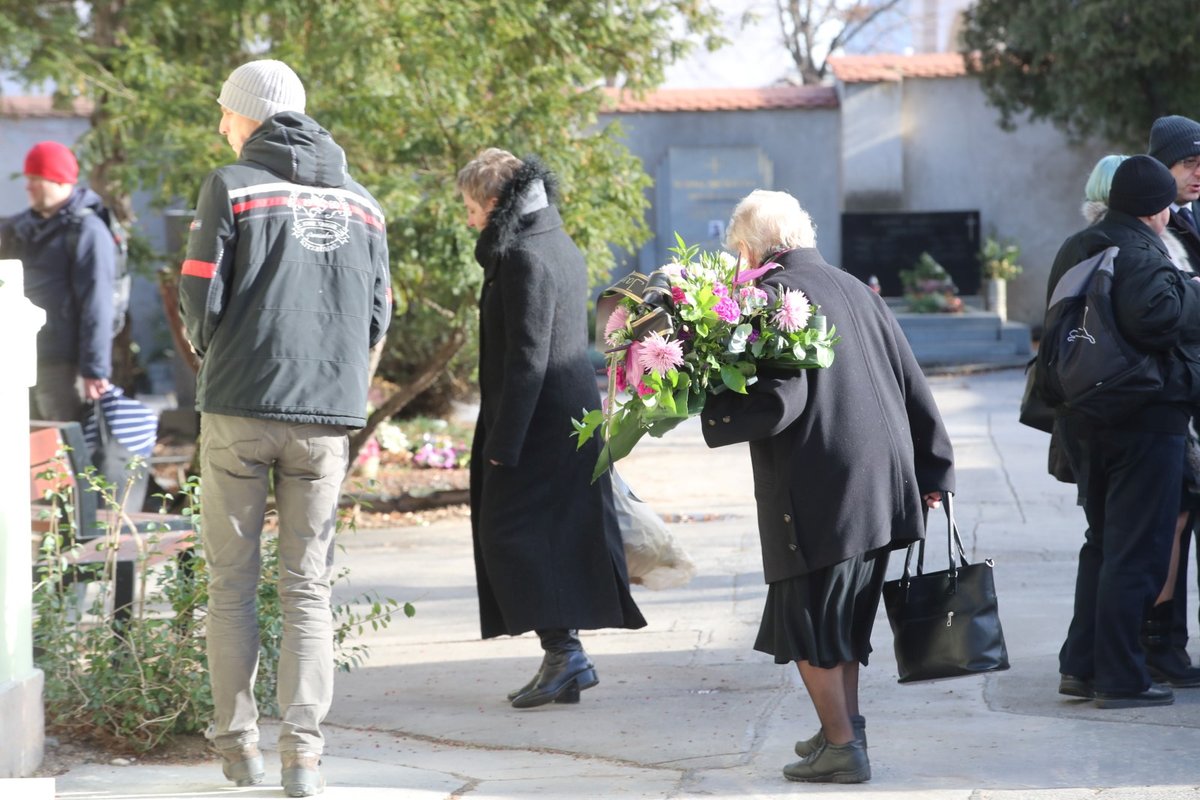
(885, 244)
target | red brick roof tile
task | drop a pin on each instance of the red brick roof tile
(41, 106)
(766, 99)
(893, 67)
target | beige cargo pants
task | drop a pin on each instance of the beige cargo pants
(309, 462)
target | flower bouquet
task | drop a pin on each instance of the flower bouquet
(697, 326)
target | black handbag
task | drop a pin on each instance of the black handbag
(945, 624)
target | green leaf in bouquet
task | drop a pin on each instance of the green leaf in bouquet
(739, 337)
(701, 329)
(733, 378)
(622, 438)
(659, 427)
(798, 351)
(586, 428)
(756, 349)
(695, 402)
(823, 355)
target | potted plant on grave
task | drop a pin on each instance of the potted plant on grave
(998, 261)
(928, 288)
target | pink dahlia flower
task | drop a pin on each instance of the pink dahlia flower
(793, 312)
(616, 322)
(659, 354)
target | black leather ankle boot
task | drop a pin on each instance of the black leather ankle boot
(566, 671)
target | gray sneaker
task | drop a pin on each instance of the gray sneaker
(833, 763)
(302, 775)
(806, 747)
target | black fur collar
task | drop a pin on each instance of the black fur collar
(505, 219)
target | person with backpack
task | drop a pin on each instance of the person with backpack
(70, 260)
(1129, 469)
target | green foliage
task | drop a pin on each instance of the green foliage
(1103, 68)
(411, 90)
(1000, 260)
(928, 288)
(137, 682)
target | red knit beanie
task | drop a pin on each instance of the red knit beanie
(52, 161)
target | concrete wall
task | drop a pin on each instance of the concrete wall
(802, 146)
(1026, 184)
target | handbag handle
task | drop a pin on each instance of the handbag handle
(953, 545)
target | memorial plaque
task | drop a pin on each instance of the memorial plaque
(885, 244)
(698, 187)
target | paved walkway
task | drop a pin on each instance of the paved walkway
(686, 708)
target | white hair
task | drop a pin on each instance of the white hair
(766, 222)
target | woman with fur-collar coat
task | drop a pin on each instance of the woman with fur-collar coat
(548, 552)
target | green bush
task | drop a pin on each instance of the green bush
(136, 682)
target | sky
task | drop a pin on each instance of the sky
(756, 56)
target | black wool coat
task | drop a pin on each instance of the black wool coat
(842, 455)
(548, 551)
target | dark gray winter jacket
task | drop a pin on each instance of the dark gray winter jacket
(286, 285)
(75, 288)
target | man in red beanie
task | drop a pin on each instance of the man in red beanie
(69, 258)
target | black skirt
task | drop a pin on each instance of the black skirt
(826, 616)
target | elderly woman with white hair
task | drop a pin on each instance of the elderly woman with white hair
(845, 461)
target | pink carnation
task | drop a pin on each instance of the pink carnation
(720, 290)
(643, 390)
(658, 354)
(752, 297)
(678, 295)
(618, 373)
(616, 322)
(793, 312)
(728, 310)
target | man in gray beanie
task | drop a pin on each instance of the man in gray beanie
(284, 292)
(1175, 141)
(1130, 473)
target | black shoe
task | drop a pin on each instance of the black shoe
(564, 676)
(1172, 666)
(571, 695)
(1156, 695)
(833, 763)
(1073, 686)
(806, 747)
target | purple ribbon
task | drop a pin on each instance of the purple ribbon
(752, 274)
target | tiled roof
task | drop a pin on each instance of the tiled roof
(766, 99)
(41, 106)
(892, 67)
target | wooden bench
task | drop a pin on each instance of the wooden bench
(58, 455)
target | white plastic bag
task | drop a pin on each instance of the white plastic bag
(655, 559)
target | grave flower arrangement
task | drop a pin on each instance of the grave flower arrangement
(696, 326)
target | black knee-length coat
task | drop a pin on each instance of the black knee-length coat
(548, 552)
(841, 456)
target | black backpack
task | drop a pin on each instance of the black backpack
(122, 280)
(1084, 364)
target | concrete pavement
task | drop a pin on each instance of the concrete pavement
(685, 707)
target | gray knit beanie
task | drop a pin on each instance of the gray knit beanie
(262, 89)
(1174, 138)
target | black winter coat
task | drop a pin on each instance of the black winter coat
(548, 553)
(843, 455)
(75, 289)
(1156, 307)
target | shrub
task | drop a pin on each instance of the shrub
(137, 682)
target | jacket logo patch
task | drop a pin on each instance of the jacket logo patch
(321, 222)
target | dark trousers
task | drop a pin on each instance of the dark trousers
(1179, 621)
(1133, 483)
